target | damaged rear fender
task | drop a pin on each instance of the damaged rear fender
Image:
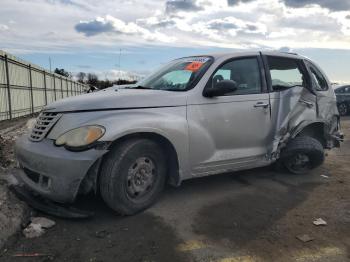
(325, 132)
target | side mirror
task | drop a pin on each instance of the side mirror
(221, 88)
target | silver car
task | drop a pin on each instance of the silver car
(196, 116)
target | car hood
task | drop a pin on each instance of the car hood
(113, 98)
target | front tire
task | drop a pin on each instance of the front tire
(302, 154)
(133, 175)
(343, 109)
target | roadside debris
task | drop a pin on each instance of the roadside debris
(37, 227)
(43, 222)
(325, 176)
(102, 234)
(304, 238)
(33, 231)
(319, 222)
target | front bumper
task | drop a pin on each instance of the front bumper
(51, 171)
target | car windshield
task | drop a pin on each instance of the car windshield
(178, 75)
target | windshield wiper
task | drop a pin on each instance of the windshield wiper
(173, 90)
(140, 87)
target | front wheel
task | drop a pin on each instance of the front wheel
(343, 109)
(133, 175)
(302, 154)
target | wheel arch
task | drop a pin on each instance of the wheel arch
(316, 129)
(168, 148)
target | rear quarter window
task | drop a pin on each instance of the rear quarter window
(285, 73)
(318, 79)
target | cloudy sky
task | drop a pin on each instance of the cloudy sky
(90, 35)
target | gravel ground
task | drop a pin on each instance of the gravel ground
(12, 211)
(254, 215)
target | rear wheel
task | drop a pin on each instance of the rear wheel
(133, 175)
(302, 154)
(343, 109)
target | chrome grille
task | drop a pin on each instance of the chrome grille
(43, 124)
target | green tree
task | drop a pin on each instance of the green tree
(62, 72)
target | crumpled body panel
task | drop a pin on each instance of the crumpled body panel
(296, 108)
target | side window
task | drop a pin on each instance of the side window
(245, 72)
(319, 80)
(285, 73)
(343, 90)
(340, 90)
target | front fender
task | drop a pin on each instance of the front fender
(170, 123)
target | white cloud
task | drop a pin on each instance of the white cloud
(3, 27)
(70, 25)
(110, 24)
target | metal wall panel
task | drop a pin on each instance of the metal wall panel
(2, 71)
(3, 103)
(37, 79)
(30, 87)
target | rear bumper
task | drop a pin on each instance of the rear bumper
(53, 172)
(337, 138)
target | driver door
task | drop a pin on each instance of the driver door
(233, 131)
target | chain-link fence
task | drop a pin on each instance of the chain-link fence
(26, 88)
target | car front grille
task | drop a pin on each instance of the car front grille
(44, 123)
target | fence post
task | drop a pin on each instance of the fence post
(31, 88)
(61, 88)
(67, 87)
(8, 86)
(45, 87)
(54, 86)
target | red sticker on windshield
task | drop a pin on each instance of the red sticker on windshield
(194, 66)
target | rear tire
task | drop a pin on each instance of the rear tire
(302, 154)
(133, 175)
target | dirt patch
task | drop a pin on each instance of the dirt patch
(105, 237)
(12, 211)
(17, 121)
(6, 152)
(8, 137)
(248, 216)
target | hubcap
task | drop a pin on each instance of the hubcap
(342, 109)
(299, 162)
(141, 176)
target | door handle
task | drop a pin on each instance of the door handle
(261, 104)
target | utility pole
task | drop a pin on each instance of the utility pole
(50, 64)
(119, 65)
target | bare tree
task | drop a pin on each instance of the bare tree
(92, 79)
(81, 77)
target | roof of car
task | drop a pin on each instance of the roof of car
(337, 86)
(252, 53)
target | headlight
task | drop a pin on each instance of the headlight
(80, 137)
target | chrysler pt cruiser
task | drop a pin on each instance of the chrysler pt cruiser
(196, 116)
